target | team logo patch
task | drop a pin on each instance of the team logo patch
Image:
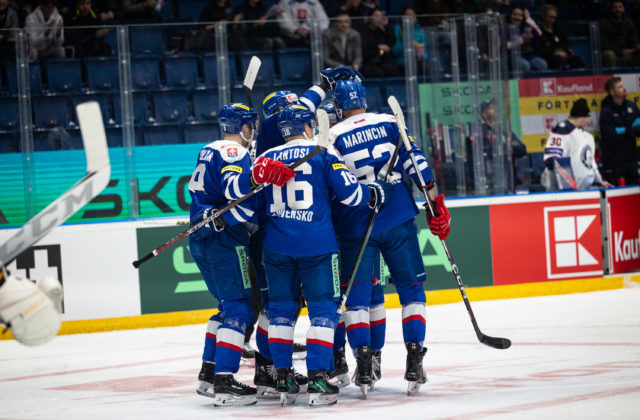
(231, 168)
(337, 166)
(411, 138)
(232, 152)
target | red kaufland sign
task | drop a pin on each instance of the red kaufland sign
(624, 230)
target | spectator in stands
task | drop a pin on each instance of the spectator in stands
(527, 33)
(295, 20)
(258, 32)
(217, 11)
(618, 38)
(553, 45)
(87, 42)
(8, 20)
(619, 127)
(141, 10)
(378, 60)
(45, 31)
(419, 41)
(109, 11)
(342, 45)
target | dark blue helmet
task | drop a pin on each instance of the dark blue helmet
(291, 120)
(330, 108)
(350, 94)
(233, 116)
(277, 100)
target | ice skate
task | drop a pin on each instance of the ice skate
(341, 372)
(362, 375)
(302, 380)
(206, 378)
(320, 390)
(248, 352)
(264, 378)
(229, 392)
(287, 386)
(376, 367)
(415, 374)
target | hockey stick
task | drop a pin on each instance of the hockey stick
(83, 191)
(250, 78)
(365, 240)
(323, 142)
(495, 342)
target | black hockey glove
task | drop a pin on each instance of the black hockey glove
(218, 223)
(381, 193)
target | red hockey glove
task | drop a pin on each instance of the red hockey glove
(441, 223)
(271, 171)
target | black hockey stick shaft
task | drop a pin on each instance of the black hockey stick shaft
(495, 342)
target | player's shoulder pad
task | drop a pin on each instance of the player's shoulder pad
(563, 129)
(229, 151)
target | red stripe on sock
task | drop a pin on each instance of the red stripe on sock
(378, 321)
(358, 325)
(341, 325)
(229, 346)
(211, 336)
(263, 332)
(319, 342)
(414, 318)
(280, 341)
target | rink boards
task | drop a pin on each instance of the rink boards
(507, 246)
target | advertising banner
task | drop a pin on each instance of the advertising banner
(623, 209)
(546, 240)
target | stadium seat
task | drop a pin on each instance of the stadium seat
(50, 111)
(395, 86)
(294, 65)
(102, 73)
(191, 8)
(267, 69)
(8, 143)
(145, 73)
(57, 138)
(140, 108)
(170, 106)
(210, 69)
(206, 104)
(146, 40)
(103, 99)
(374, 94)
(64, 75)
(257, 95)
(396, 6)
(35, 77)
(201, 132)
(181, 70)
(114, 136)
(581, 46)
(161, 134)
(9, 113)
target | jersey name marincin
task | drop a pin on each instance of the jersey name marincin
(299, 213)
(367, 142)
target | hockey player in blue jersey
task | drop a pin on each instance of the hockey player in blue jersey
(223, 172)
(300, 251)
(367, 141)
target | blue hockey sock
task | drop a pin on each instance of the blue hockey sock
(209, 352)
(262, 335)
(320, 334)
(378, 323)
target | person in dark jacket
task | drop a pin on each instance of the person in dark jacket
(618, 38)
(87, 42)
(378, 59)
(8, 20)
(553, 45)
(258, 32)
(619, 127)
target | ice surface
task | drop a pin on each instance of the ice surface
(573, 357)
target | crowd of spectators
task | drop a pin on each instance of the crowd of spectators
(355, 32)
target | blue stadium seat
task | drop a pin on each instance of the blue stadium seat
(146, 40)
(267, 69)
(395, 86)
(206, 105)
(9, 113)
(8, 143)
(114, 136)
(103, 99)
(102, 73)
(210, 69)
(257, 95)
(374, 94)
(294, 65)
(57, 138)
(112, 40)
(140, 108)
(50, 111)
(170, 106)
(145, 73)
(581, 46)
(201, 132)
(396, 6)
(35, 77)
(161, 134)
(191, 8)
(64, 75)
(181, 70)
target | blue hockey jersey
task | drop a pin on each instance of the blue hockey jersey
(367, 142)
(269, 134)
(299, 214)
(222, 174)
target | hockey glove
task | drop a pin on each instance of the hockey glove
(440, 224)
(218, 223)
(270, 171)
(331, 75)
(381, 193)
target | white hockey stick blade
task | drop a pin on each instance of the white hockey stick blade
(397, 112)
(94, 181)
(252, 72)
(323, 128)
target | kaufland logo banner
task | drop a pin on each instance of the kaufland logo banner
(624, 231)
(572, 239)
